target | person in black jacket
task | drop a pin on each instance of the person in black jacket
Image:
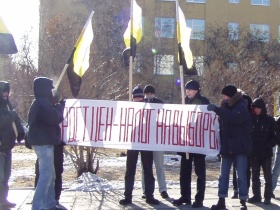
(235, 143)
(147, 166)
(234, 195)
(265, 135)
(44, 133)
(193, 97)
(10, 130)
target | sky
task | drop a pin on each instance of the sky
(21, 17)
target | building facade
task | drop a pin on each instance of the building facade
(157, 60)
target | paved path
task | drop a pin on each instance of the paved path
(78, 200)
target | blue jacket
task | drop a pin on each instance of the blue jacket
(235, 126)
(44, 117)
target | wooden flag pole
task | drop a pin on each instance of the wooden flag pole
(180, 61)
(130, 57)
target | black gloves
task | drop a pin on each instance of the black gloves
(212, 107)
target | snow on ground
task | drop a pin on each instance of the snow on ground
(89, 182)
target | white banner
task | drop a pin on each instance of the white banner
(141, 126)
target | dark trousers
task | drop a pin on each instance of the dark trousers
(234, 177)
(256, 183)
(186, 176)
(149, 180)
(58, 166)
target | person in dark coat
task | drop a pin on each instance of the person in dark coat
(235, 143)
(10, 130)
(44, 133)
(147, 163)
(193, 97)
(265, 135)
(234, 195)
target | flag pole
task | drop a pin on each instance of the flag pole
(180, 60)
(180, 54)
(67, 64)
(130, 57)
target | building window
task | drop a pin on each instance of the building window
(163, 64)
(233, 31)
(260, 32)
(199, 65)
(197, 1)
(260, 2)
(233, 1)
(164, 27)
(198, 28)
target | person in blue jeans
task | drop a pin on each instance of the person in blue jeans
(158, 156)
(10, 130)
(44, 118)
(235, 143)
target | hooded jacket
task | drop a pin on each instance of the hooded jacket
(7, 118)
(235, 126)
(265, 133)
(44, 117)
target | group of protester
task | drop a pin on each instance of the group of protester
(247, 137)
(44, 136)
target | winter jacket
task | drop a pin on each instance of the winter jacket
(235, 126)
(7, 118)
(265, 134)
(44, 117)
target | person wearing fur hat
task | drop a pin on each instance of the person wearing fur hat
(265, 135)
(158, 156)
(193, 97)
(235, 143)
(147, 166)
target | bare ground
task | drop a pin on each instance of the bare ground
(20, 163)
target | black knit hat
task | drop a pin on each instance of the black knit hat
(229, 90)
(192, 85)
(149, 89)
(137, 92)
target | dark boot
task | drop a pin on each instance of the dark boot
(243, 205)
(220, 205)
(125, 201)
(255, 199)
(152, 201)
(180, 201)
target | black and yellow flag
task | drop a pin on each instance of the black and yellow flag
(133, 33)
(79, 59)
(183, 36)
(7, 42)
